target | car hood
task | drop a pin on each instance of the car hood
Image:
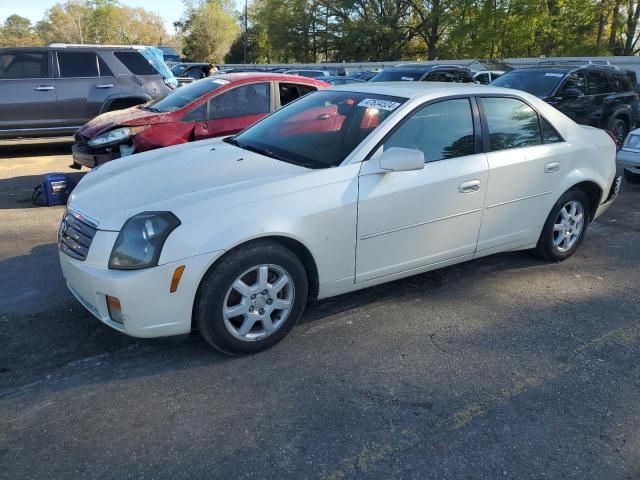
(174, 179)
(129, 117)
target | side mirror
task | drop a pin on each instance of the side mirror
(571, 93)
(397, 159)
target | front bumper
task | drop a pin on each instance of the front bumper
(87, 157)
(629, 160)
(148, 309)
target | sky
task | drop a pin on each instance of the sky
(169, 10)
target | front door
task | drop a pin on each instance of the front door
(28, 99)
(572, 99)
(234, 110)
(409, 220)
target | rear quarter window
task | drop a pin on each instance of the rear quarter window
(136, 63)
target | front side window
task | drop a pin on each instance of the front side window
(24, 64)
(598, 83)
(574, 81)
(440, 131)
(483, 78)
(77, 64)
(319, 130)
(511, 123)
(241, 101)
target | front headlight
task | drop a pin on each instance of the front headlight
(113, 136)
(633, 141)
(141, 239)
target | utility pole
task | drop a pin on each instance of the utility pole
(246, 31)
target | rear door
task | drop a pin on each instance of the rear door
(527, 161)
(28, 98)
(235, 109)
(83, 83)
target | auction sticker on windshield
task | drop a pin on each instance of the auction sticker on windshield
(380, 104)
(220, 81)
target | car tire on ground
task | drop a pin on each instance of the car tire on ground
(565, 227)
(619, 128)
(251, 299)
(631, 177)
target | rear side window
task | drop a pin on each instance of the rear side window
(241, 101)
(104, 70)
(598, 83)
(289, 92)
(441, 130)
(549, 134)
(24, 65)
(136, 63)
(511, 123)
(77, 64)
(622, 82)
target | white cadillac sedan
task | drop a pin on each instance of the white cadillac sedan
(340, 190)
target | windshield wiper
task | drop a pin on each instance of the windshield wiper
(267, 153)
(151, 109)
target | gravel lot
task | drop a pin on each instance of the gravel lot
(505, 367)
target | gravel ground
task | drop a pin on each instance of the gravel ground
(505, 367)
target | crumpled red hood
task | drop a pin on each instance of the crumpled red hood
(129, 117)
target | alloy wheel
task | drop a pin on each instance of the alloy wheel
(568, 226)
(258, 302)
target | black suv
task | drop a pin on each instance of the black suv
(425, 73)
(51, 91)
(602, 96)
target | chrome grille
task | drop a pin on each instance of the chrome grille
(75, 235)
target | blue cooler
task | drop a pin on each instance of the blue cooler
(55, 190)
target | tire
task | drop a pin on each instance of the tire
(259, 324)
(631, 177)
(620, 130)
(554, 247)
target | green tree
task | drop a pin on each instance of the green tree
(17, 31)
(209, 29)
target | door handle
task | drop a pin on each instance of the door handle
(105, 85)
(44, 88)
(552, 167)
(469, 187)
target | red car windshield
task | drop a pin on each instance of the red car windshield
(183, 96)
(320, 130)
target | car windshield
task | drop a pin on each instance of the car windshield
(540, 83)
(183, 96)
(320, 130)
(401, 74)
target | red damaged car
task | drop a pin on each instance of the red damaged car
(211, 107)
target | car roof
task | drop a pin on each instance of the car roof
(268, 76)
(419, 89)
(420, 66)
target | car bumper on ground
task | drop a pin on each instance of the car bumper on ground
(85, 157)
(629, 159)
(147, 306)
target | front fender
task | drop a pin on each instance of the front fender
(318, 210)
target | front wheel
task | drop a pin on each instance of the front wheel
(565, 227)
(251, 299)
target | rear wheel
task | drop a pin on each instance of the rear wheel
(251, 299)
(631, 177)
(565, 227)
(619, 129)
